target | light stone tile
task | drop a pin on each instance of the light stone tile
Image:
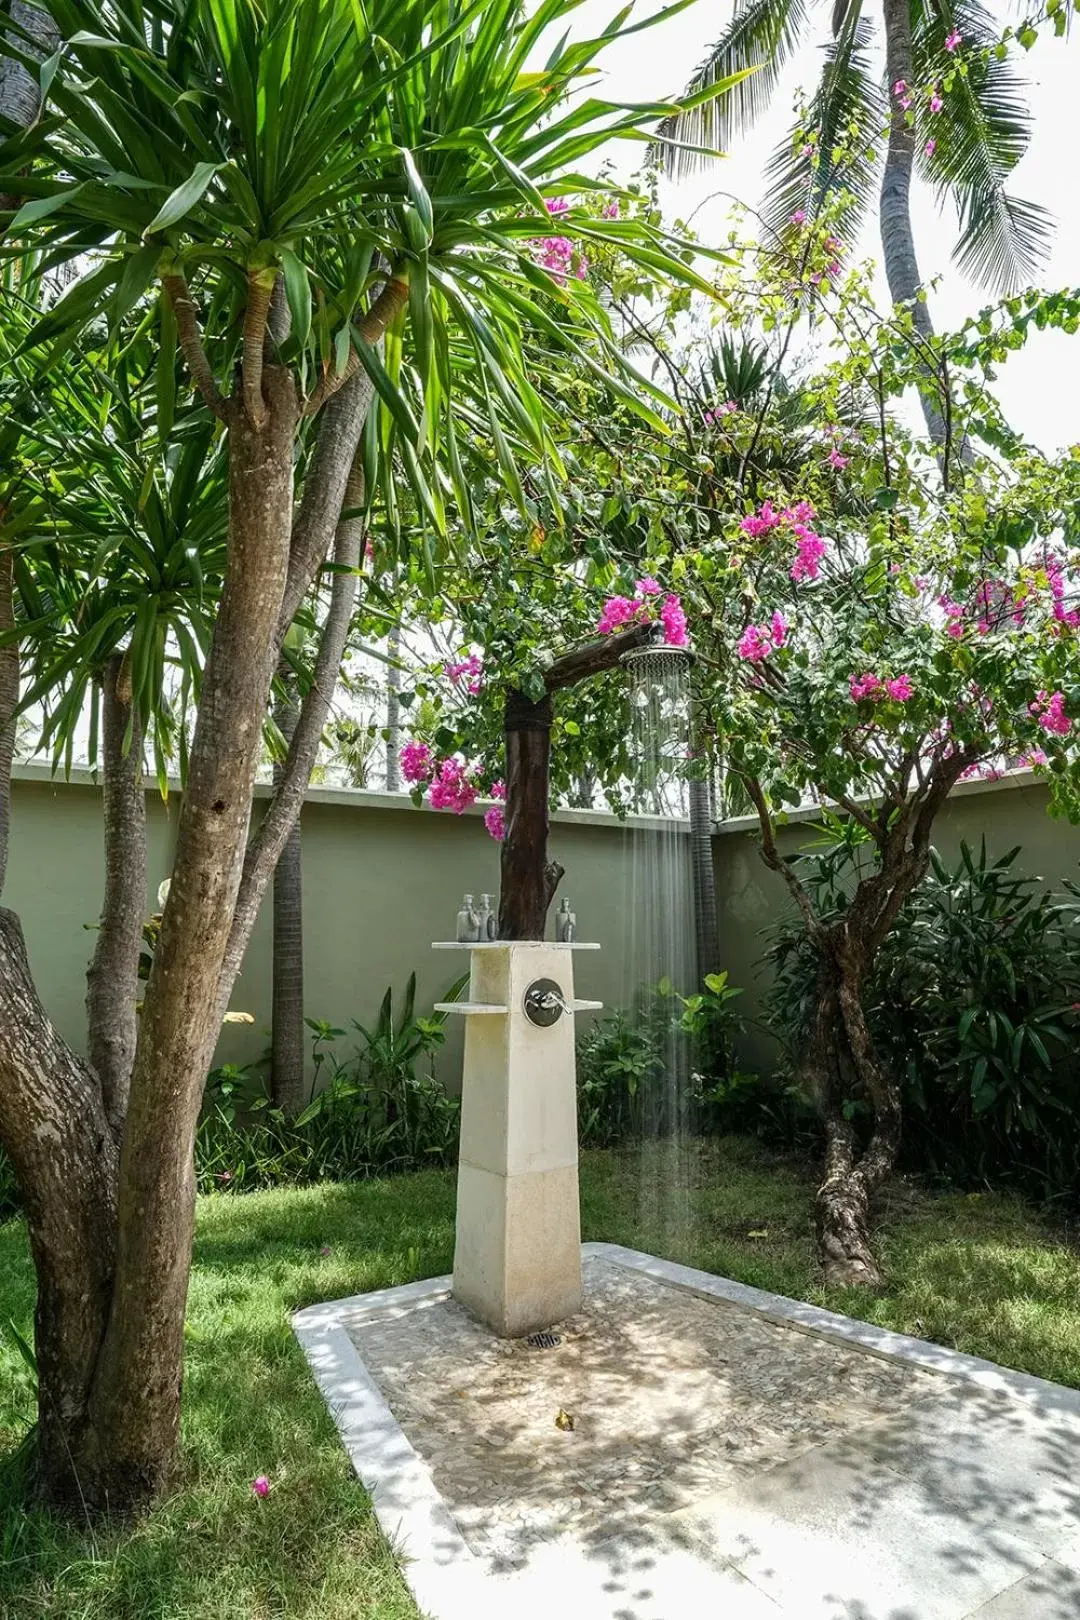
(1051, 1593)
(834, 1535)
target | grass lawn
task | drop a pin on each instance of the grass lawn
(979, 1273)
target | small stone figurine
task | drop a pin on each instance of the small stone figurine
(488, 922)
(565, 924)
(468, 923)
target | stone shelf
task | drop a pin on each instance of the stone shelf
(471, 1009)
(501, 944)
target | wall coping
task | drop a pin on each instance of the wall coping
(373, 799)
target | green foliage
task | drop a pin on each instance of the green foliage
(973, 1002)
(376, 1110)
(628, 1062)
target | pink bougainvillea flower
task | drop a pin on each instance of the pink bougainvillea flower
(931, 147)
(647, 586)
(905, 103)
(778, 628)
(865, 686)
(469, 669)
(673, 620)
(495, 822)
(261, 1485)
(610, 210)
(799, 217)
(900, 87)
(953, 40)
(1036, 757)
(326, 1249)
(556, 205)
(936, 102)
(451, 789)
(754, 644)
(498, 791)
(617, 610)
(837, 460)
(811, 549)
(1050, 712)
(416, 762)
(900, 688)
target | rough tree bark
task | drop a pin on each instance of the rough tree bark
(839, 1057)
(897, 236)
(528, 880)
(113, 975)
(135, 1403)
(9, 699)
(706, 913)
(287, 1088)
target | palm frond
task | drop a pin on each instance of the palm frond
(762, 35)
(979, 139)
(848, 95)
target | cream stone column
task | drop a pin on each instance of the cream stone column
(517, 1255)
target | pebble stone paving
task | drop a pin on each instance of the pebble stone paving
(672, 1397)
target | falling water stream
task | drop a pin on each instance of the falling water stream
(659, 962)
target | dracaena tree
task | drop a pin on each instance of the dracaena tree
(330, 212)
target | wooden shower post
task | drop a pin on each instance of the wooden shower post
(528, 879)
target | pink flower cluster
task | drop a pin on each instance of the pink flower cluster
(953, 40)
(451, 788)
(838, 461)
(809, 546)
(624, 610)
(470, 669)
(416, 762)
(759, 640)
(557, 254)
(936, 103)
(1049, 709)
(716, 415)
(871, 686)
(1055, 573)
(902, 94)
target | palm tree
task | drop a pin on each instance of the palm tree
(967, 151)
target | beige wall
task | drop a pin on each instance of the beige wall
(381, 880)
(752, 899)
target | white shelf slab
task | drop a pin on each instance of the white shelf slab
(469, 1009)
(502, 944)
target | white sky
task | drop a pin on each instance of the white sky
(1037, 387)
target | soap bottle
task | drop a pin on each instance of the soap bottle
(485, 919)
(565, 924)
(468, 923)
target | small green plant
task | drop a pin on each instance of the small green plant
(377, 1108)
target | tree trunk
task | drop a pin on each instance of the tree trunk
(20, 96)
(897, 237)
(113, 975)
(528, 878)
(706, 914)
(135, 1403)
(287, 1088)
(54, 1129)
(393, 713)
(9, 701)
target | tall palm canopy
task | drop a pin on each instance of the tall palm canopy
(978, 137)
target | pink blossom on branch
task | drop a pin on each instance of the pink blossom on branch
(1049, 709)
(495, 822)
(865, 686)
(617, 611)
(451, 788)
(953, 40)
(838, 461)
(900, 688)
(469, 669)
(759, 640)
(416, 762)
(673, 620)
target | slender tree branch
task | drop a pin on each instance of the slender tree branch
(372, 328)
(191, 344)
(776, 862)
(273, 831)
(260, 292)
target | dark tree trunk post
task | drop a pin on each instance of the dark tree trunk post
(529, 879)
(113, 975)
(393, 712)
(706, 911)
(135, 1404)
(287, 1087)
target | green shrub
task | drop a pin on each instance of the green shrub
(668, 1064)
(973, 1002)
(378, 1109)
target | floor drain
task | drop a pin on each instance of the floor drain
(543, 1341)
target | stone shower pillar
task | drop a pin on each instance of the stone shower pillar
(517, 1254)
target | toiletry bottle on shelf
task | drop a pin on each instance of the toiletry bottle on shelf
(565, 924)
(468, 923)
(485, 918)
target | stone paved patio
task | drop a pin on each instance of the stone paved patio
(731, 1454)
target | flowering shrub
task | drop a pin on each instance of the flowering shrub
(557, 254)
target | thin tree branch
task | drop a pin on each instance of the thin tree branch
(372, 328)
(776, 862)
(187, 330)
